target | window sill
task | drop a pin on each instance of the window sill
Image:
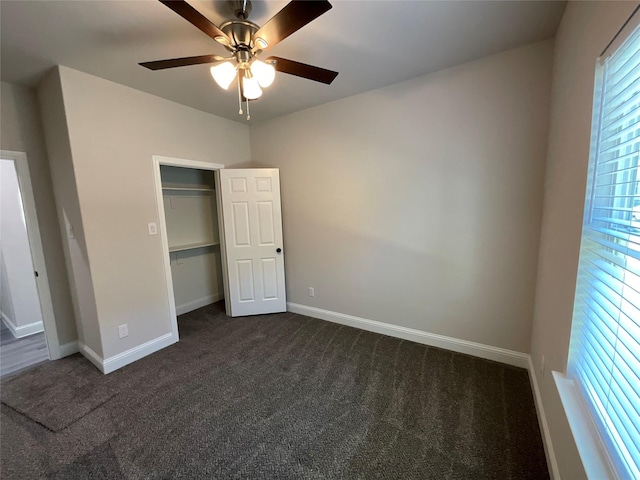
(590, 447)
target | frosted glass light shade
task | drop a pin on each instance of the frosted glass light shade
(223, 74)
(264, 72)
(250, 88)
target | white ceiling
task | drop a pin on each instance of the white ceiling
(372, 43)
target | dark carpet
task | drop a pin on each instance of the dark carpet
(57, 396)
(277, 396)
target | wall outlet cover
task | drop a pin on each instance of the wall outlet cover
(123, 330)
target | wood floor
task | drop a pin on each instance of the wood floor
(17, 354)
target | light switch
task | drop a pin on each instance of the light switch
(153, 229)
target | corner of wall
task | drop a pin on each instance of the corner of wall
(52, 108)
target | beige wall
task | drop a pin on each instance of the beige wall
(113, 132)
(21, 131)
(419, 204)
(66, 195)
(586, 29)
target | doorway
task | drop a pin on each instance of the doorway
(245, 219)
(27, 333)
(188, 216)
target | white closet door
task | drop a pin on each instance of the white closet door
(252, 225)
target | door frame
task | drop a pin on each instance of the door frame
(158, 161)
(35, 246)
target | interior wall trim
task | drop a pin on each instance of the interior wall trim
(552, 461)
(69, 348)
(92, 356)
(199, 303)
(23, 330)
(112, 364)
(510, 357)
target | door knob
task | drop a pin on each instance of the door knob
(278, 250)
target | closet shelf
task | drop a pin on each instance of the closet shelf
(180, 248)
(187, 189)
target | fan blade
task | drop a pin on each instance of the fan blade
(303, 70)
(194, 17)
(183, 62)
(291, 18)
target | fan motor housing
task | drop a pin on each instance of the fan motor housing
(240, 32)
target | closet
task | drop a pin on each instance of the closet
(191, 216)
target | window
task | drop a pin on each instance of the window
(604, 358)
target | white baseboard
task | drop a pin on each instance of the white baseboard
(552, 461)
(112, 364)
(488, 352)
(69, 349)
(24, 330)
(92, 356)
(201, 302)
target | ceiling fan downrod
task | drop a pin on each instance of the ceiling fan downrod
(242, 9)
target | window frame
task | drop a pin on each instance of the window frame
(586, 427)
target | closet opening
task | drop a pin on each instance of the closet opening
(188, 214)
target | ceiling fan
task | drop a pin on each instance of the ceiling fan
(245, 41)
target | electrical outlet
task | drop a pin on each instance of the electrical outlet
(153, 229)
(312, 292)
(70, 232)
(542, 365)
(123, 330)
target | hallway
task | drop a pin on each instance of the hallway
(19, 353)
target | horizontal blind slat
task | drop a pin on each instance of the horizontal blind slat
(631, 410)
(620, 60)
(620, 117)
(605, 327)
(625, 441)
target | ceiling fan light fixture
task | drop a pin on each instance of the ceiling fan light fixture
(224, 73)
(263, 72)
(250, 88)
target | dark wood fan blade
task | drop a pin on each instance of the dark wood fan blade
(181, 62)
(303, 70)
(290, 19)
(194, 17)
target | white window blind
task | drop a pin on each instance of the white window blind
(604, 357)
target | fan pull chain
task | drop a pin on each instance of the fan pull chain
(240, 112)
(248, 113)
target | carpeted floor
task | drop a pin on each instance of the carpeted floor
(276, 396)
